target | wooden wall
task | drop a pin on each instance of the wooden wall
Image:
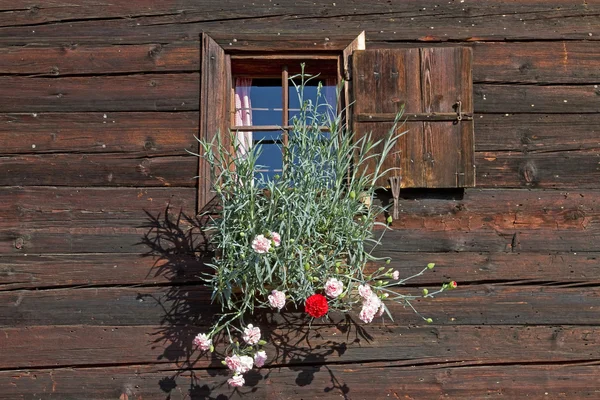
(98, 105)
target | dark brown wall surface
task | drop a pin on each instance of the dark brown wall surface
(98, 105)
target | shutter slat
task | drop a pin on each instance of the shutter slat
(437, 152)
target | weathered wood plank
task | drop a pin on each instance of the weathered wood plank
(562, 62)
(496, 20)
(517, 240)
(34, 271)
(84, 206)
(536, 99)
(49, 346)
(522, 62)
(353, 381)
(60, 220)
(46, 271)
(177, 305)
(560, 170)
(503, 210)
(113, 169)
(151, 92)
(153, 133)
(171, 92)
(74, 59)
(537, 133)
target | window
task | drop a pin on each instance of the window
(265, 101)
(249, 93)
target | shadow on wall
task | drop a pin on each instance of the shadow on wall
(180, 247)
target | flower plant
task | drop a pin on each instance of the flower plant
(302, 239)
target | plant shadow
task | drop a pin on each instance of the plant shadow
(180, 249)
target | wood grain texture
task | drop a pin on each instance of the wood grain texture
(110, 269)
(143, 22)
(537, 133)
(352, 381)
(158, 92)
(537, 99)
(560, 170)
(486, 304)
(554, 62)
(109, 169)
(100, 59)
(153, 133)
(51, 346)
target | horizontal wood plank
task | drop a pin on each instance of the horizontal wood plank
(151, 92)
(352, 381)
(172, 92)
(152, 133)
(49, 346)
(552, 170)
(537, 133)
(47, 271)
(73, 59)
(522, 62)
(107, 220)
(487, 304)
(536, 99)
(554, 62)
(112, 169)
(496, 20)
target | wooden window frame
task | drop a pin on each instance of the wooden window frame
(216, 87)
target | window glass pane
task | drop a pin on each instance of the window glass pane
(326, 100)
(265, 101)
(270, 159)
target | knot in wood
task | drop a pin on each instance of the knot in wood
(19, 242)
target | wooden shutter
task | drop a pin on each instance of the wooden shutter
(215, 87)
(434, 85)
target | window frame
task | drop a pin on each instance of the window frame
(216, 87)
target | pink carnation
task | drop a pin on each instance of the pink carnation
(333, 287)
(277, 299)
(259, 358)
(365, 291)
(371, 306)
(236, 381)
(276, 238)
(261, 244)
(396, 275)
(203, 341)
(251, 334)
(239, 364)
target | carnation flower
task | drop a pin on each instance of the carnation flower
(396, 275)
(239, 364)
(333, 287)
(365, 291)
(203, 341)
(251, 334)
(236, 381)
(316, 305)
(276, 238)
(277, 299)
(261, 244)
(259, 358)
(371, 306)
(453, 285)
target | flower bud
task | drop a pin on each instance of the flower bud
(453, 285)
(212, 348)
(425, 292)
(262, 342)
(276, 176)
(389, 219)
(352, 195)
(430, 265)
(306, 266)
(429, 320)
(242, 234)
(388, 261)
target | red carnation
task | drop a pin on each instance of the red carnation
(316, 305)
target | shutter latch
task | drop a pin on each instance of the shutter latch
(459, 113)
